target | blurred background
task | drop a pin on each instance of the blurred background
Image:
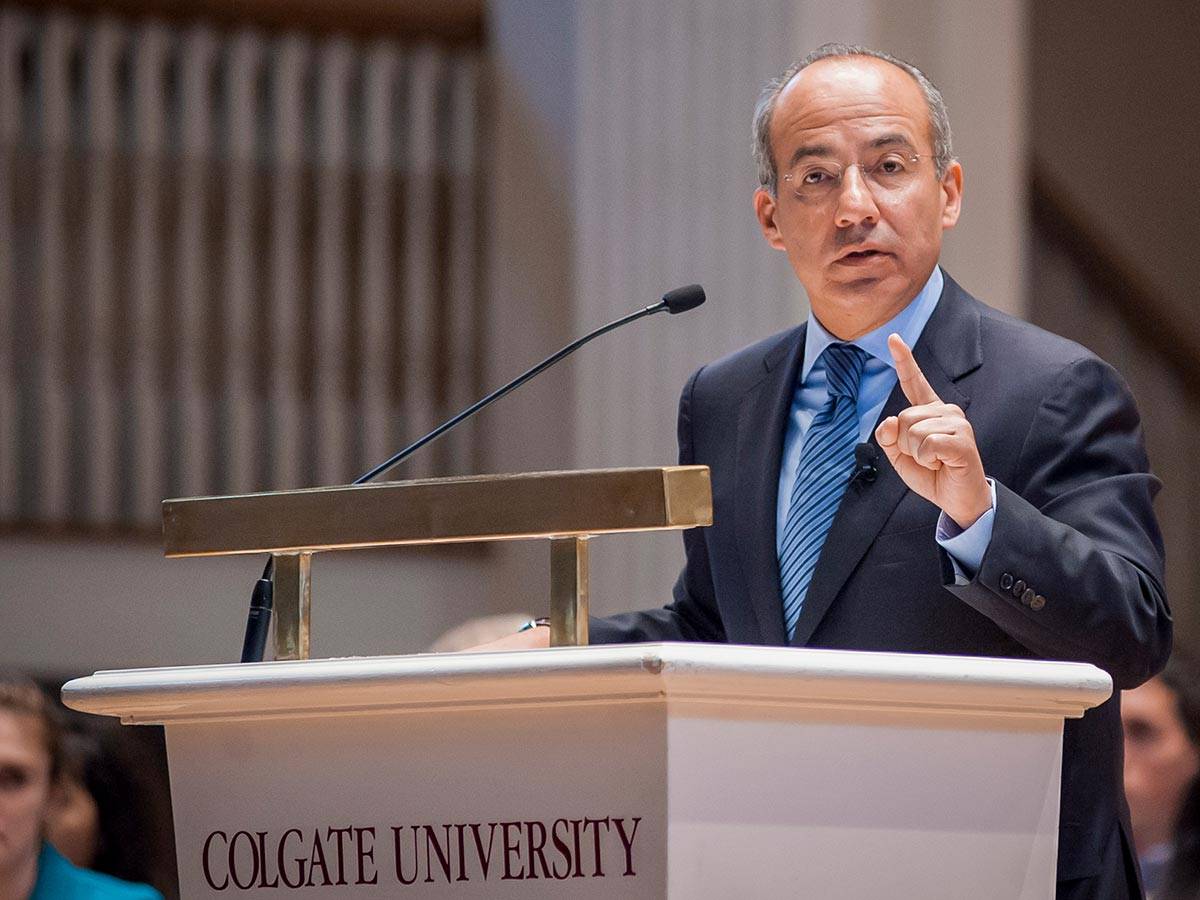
(255, 244)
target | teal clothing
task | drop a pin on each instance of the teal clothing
(59, 880)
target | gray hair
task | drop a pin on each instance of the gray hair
(764, 110)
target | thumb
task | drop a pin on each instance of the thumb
(886, 436)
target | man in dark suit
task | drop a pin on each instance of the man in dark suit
(1009, 510)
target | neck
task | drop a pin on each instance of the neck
(17, 882)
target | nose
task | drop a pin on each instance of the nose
(855, 202)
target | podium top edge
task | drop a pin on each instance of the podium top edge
(737, 676)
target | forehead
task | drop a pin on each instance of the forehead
(22, 740)
(849, 97)
(1152, 700)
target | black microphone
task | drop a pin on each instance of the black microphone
(258, 622)
(679, 300)
(865, 456)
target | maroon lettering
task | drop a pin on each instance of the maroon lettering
(341, 861)
(627, 842)
(563, 850)
(207, 865)
(365, 854)
(301, 862)
(400, 856)
(462, 853)
(535, 848)
(595, 824)
(511, 851)
(530, 849)
(578, 873)
(262, 855)
(485, 860)
(317, 858)
(442, 855)
(233, 866)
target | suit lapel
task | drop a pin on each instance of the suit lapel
(762, 421)
(948, 348)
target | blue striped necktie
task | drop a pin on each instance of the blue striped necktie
(826, 463)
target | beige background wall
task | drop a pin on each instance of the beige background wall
(1114, 107)
(1117, 99)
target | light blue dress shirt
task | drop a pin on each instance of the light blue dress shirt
(965, 547)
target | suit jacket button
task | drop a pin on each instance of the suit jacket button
(1006, 581)
(1037, 602)
(1027, 597)
(1018, 588)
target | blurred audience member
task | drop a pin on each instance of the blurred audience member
(32, 768)
(1162, 765)
(115, 816)
(74, 824)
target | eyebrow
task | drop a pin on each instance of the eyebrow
(892, 139)
(809, 150)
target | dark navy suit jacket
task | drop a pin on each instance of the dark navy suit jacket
(1058, 431)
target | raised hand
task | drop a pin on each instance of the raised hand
(931, 445)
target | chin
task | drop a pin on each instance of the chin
(859, 285)
(858, 282)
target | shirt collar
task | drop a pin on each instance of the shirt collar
(908, 323)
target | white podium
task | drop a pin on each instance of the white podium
(642, 771)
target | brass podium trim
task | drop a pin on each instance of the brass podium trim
(440, 510)
(293, 605)
(568, 592)
(565, 507)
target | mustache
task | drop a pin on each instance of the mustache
(855, 234)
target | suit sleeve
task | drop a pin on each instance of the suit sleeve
(1074, 569)
(692, 614)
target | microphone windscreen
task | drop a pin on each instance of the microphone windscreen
(683, 298)
(865, 456)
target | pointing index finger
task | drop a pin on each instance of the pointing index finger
(912, 380)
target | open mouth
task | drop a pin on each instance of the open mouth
(859, 256)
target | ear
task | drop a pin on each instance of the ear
(56, 803)
(952, 187)
(766, 208)
(59, 795)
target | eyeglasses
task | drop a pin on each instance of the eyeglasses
(888, 174)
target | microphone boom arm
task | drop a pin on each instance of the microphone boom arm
(679, 300)
(412, 448)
